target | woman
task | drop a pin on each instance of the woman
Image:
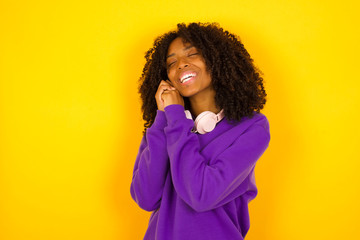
(203, 134)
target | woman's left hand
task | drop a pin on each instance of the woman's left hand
(172, 97)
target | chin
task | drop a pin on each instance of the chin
(187, 94)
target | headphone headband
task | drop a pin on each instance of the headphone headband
(220, 115)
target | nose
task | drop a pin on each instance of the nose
(182, 63)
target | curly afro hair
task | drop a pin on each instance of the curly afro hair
(237, 82)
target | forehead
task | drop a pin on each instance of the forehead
(178, 44)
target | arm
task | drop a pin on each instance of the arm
(151, 166)
(204, 186)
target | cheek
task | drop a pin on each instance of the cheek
(171, 76)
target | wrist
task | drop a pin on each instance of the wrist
(174, 112)
(160, 120)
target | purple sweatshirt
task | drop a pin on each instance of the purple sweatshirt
(198, 186)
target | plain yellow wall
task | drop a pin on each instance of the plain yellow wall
(70, 120)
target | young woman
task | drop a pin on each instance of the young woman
(204, 132)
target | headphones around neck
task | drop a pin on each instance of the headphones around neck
(206, 121)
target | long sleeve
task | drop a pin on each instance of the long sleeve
(151, 166)
(205, 184)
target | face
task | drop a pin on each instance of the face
(186, 70)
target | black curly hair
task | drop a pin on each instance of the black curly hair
(237, 82)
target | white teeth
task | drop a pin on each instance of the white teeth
(185, 80)
(187, 77)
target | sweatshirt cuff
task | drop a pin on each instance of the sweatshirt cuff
(160, 120)
(174, 113)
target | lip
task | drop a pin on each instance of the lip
(185, 73)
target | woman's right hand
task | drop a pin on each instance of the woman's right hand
(163, 86)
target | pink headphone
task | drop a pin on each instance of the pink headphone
(206, 121)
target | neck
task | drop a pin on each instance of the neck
(199, 104)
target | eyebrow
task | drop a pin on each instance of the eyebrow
(188, 47)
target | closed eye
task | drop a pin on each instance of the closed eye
(170, 64)
(193, 54)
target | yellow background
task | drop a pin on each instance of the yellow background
(70, 121)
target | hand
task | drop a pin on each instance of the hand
(163, 86)
(172, 96)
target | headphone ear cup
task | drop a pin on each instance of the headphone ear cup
(205, 122)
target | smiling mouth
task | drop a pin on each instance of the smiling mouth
(187, 77)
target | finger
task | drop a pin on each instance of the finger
(166, 91)
(171, 86)
(168, 94)
(169, 82)
(165, 87)
(164, 83)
